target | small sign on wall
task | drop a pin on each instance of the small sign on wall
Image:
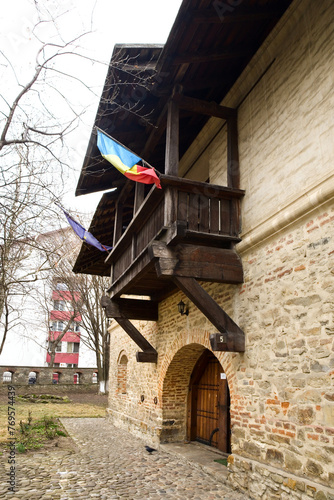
(223, 376)
(218, 342)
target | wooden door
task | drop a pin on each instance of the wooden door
(209, 400)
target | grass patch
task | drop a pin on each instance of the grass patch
(222, 461)
(34, 434)
(40, 410)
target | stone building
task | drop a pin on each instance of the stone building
(236, 112)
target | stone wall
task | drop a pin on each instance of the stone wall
(282, 387)
(44, 381)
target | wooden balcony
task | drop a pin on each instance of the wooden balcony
(186, 229)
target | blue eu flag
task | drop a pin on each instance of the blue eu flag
(85, 235)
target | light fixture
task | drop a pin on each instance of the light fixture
(183, 310)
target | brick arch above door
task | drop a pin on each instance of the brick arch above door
(228, 360)
(174, 379)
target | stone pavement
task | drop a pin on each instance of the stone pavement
(109, 464)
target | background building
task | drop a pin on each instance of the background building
(41, 313)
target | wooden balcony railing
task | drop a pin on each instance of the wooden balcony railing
(182, 211)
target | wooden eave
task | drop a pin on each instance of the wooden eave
(206, 51)
(184, 234)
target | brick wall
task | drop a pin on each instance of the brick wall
(282, 387)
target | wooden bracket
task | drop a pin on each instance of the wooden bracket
(149, 354)
(123, 309)
(234, 337)
(192, 261)
(145, 310)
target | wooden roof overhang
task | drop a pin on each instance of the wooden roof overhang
(209, 46)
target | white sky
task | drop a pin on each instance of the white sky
(111, 22)
(114, 21)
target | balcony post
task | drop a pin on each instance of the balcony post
(172, 140)
(233, 171)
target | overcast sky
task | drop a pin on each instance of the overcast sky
(109, 22)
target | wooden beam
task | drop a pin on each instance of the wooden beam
(149, 355)
(203, 107)
(219, 265)
(156, 133)
(218, 342)
(139, 196)
(235, 337)
(118, 223)
(172, 140)
(233, 170)
(145, 310)
(211, 56)
(223, 12)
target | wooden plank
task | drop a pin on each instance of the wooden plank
(170, 206)
(193, 211)
(182, 206)
(214, 215)
(235, 217)
(204, 214)
(141, 342)
(172, 140)
(233, 169)
(197, 187)
(118, 223)
(215, 314)
(178, 233)
(225, 217)
(146, 310)
(201, 262)
(223, 415)
(211, 55)
(223, 12)
(139, 196)
(133, 274)
(204, 107)
(147, 357)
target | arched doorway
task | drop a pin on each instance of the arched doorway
(209, 404)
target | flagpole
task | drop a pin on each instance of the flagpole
(132, 152)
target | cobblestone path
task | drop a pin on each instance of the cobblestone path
(109, 464)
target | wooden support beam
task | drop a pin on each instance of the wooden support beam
(204, 107)
(233, 169)
(145, 310)
(218, 342)
(172, 140)
(201, 262)
(207, 56)
(118, 223)
(139, 196)
(155, 134)
(223, 12)
(149, 355)
(235, 337)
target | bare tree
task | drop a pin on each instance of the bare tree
(82, 294)
(39, 114)
(35, 122)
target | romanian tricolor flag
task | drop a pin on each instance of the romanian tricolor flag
(125, 161)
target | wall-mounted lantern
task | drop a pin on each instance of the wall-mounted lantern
(183, 310)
